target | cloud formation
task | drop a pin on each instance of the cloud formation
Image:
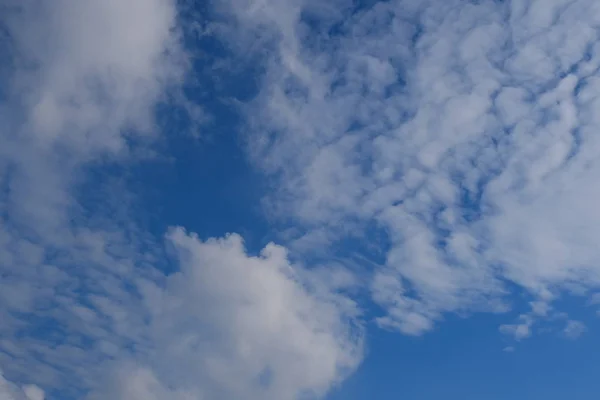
(229, 325)
(9, 391)
(455, 138)
(79, 85)
(448, 145)
(86, 309)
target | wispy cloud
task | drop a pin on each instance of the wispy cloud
(462, 130)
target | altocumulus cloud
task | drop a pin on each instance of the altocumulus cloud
(457, 140)
(86, 311)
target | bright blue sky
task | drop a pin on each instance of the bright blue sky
(292, 199)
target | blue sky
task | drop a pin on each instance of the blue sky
(296, 199)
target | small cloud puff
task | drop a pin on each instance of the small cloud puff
(574, 329)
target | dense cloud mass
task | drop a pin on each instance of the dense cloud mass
(230, 326)
(454, 141)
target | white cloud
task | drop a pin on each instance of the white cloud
(6, 390)
(9, 391)
(79, 81)
(33, 392)
(574, 329)
(540, 308)
(595, 299)
(85, 79)
(463, 131)
(229, 325)
(518, 331)
(95, 71)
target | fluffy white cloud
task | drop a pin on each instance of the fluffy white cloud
(229, 325)
(463, 133)
(86, 71)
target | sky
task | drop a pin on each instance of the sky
(299, 199)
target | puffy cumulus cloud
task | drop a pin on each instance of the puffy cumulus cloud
(225, 325)
(229, 325)
(463, 133)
